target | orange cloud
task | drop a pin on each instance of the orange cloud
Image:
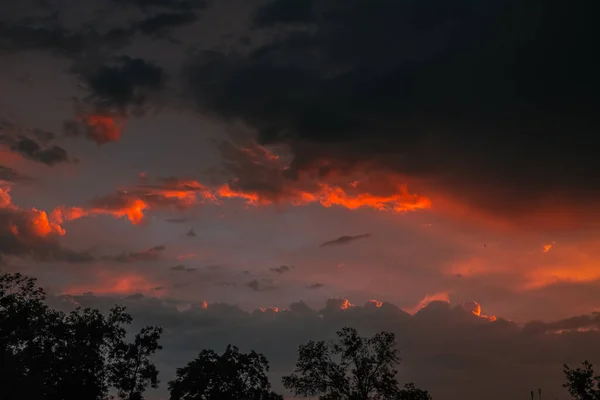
(270, 310)
(338, 304)
(262, 178)
(130, 208)
(475, 308)
(134, 203)
(330, 195)
(108, 284)
(375, 303)
(441, 296)
(33, 222)
(103, 128)
(547, 247)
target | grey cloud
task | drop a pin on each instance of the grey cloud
(176, 220)
(281, 269)
(11, 175)
(315, 286)
(151, 254)
(182, 268)
(261, 286)
(462, 360)
(191, 233)
(34, 151)
(159, 24)
(134, 297)
(345, 240)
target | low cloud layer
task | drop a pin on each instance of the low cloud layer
(465, 358)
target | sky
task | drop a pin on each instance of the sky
(264, 172)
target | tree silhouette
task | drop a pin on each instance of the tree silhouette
(582, 383)
(410, 392)
(132, 370)
(353, 368)
(230, 376)
(49, 355)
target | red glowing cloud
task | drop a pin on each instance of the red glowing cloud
(103, 128)
(111, 284)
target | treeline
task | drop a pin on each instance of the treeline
(46, 354)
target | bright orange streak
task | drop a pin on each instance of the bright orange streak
(269, 309)
(105, 128)
(251, 198)
(441, 296)
(376, 303)
(129, 284)
(329, 195)
(134, 212)
(475, 308)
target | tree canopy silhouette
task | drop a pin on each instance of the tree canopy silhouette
(49, 355)
(582, 383)
(230, 376)
(353, 368)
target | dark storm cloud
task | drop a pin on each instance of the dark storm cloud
(45, 28)
(284, 12)
(35, 151)
(50, 35)
(151, 254)
(487, 101)
(175, 5)
(315, 286)
(345, 240)
(160, 23)
(122, 82)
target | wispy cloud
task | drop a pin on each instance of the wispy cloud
(345, 240)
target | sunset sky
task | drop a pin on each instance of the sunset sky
(230, 168)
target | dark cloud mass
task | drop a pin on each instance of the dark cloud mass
(483, 101)
(122, 82)
(461, 361)
(35, 151)
(159, 23)
(10, 175)
(345, 240)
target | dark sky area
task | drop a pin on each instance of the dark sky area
(263, 172)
